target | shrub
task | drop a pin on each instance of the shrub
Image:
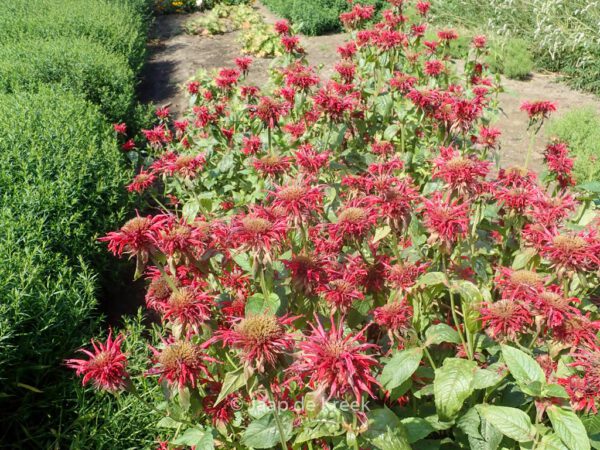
(580, 129)
(75, 64)
(561, 35)
(340, 266)
(316, 16)
(512, 58)
(61, 178)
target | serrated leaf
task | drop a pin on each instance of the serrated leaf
(390, 132)
(522, 367)
(471, 298)
(190, 210)
(263, 432)
(511, 422)
(433, 279)
(485, 378)
(257, 304)
(201, 439)
(385, 430)
(400, 367)
(569, 428)
(416, 428)
(441, 332)
(551, 442)
(381, 233)
(231, 383)
(522, 258)
(452, 385)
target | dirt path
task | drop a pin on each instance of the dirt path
(175, 56)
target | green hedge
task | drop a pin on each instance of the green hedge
(119, 25)
(79, 65)
(61, 185)
(317, 16)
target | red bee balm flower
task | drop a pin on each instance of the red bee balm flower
(135, 238)
(181, 363)
(188, 306)
(262, 339)
(537, 110)
(505, 319)
(447, 220)
(336, 364)
(106, 366)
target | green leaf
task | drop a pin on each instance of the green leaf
(168, 422)
(433, 279)
(416, 429)
(263, 432)
(232, 382)
(385, 430)
(569, 428)
(511, 422)
(471, 298)
(554, 390)
(257, 304)
(390, 132)
(190, 210)
(381, 233)
(485, 378)
(202, 440)
(551, 442)
(523, 258)
(441, 332)
(400, 367)
(327, 423)
(243, 260)
(452, 385)
(522, 367)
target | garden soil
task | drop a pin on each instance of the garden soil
(175, 56)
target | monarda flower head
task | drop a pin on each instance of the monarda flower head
(136, 238)
(463, 174)
(261, 339)
(258, 232)
(188, 306)
(355, 218)
(105, 366)
(268, 111)
(181, 363)
(584, 395)
(272, 165)
(297, 199)
(179, 237)
(538, 110)
(447, 220)
(559, 163)
(335, 364)
(404, 275)
(519, 283)
(566, 250)
(142, 181)
(395, 317)
(505, 319)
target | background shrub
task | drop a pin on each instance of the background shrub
(511, 57)
(317, 16)
(580, 128)
(79, 65)
(561, 35)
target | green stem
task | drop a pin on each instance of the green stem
(529, 149)
(455, 316)
(276, 415)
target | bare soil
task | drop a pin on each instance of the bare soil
(175, 56)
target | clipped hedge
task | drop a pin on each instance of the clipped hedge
(79, 65)
(61, 184)
(120, 26)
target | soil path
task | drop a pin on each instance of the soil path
(175, 56)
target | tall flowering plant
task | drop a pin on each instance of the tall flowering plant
(339, 263)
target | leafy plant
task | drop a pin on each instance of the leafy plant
(336, 264)
(512, 58)
(580, 129)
